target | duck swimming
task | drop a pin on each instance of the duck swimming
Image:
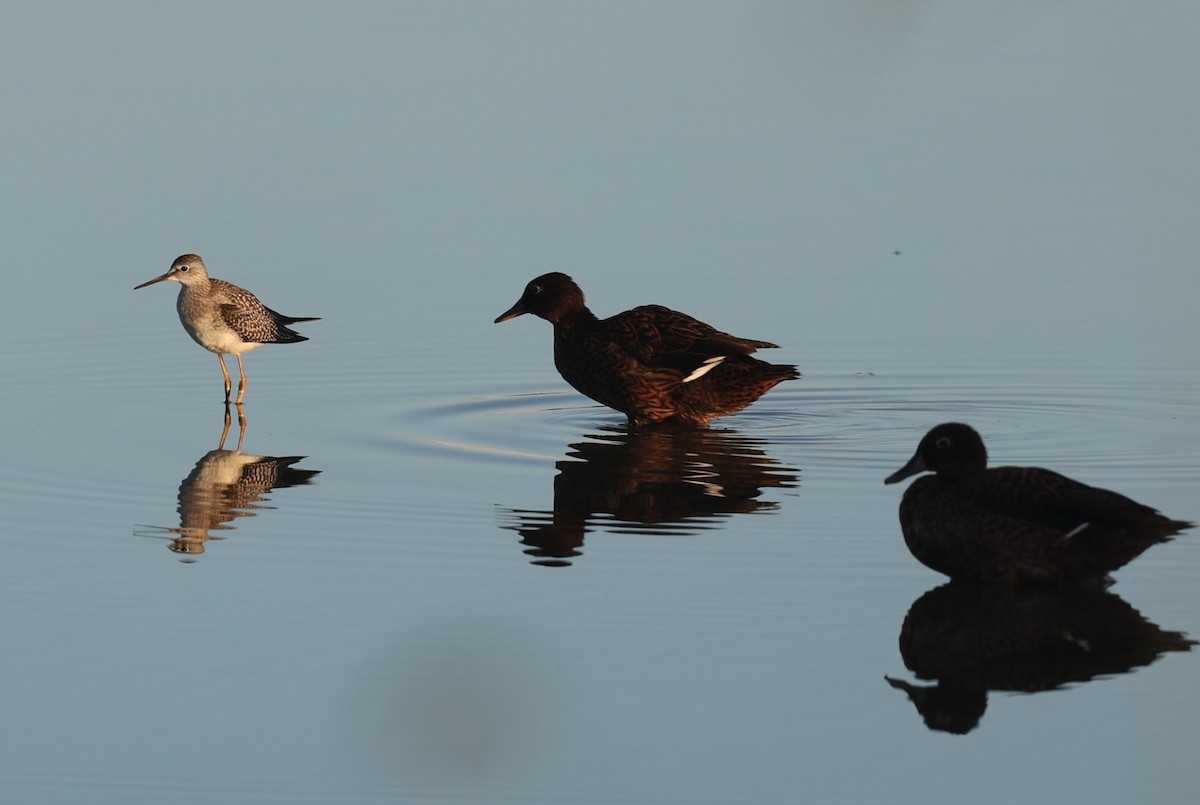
(1016, 525)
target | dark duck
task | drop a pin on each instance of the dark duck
(1016, 525)
(651, 363)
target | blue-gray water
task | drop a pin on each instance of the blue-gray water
(490, 593)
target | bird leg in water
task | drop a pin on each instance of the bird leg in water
(241, 381)
(228, 382)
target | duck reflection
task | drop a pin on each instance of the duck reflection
(973, 639)
(656, 480)
(227, 484)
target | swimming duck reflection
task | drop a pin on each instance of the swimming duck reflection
(973, 639)
(655, 480)
(225, 485)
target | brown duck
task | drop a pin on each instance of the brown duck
(1016, 525)
(651, 363)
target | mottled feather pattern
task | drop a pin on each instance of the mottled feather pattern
(660, 337)
(1053, 500)
(274, 472)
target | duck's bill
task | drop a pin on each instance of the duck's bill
(915, 465)
(514, 311)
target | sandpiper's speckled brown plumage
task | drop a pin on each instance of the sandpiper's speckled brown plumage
(1016, 525)
(223, 318)
(225, 485)
(650, 363)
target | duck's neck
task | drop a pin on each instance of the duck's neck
(961, 475)
(574, 320)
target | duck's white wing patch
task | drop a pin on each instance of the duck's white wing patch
(701, 370)
(1077, 529)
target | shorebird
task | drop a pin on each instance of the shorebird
(223, 318)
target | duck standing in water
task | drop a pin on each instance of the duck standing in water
(651, 363)
(1016, 525)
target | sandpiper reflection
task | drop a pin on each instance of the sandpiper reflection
(973, 639)
(656, 480)
(225, 485)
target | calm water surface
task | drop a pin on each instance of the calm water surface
(434, 573)
(492, 591)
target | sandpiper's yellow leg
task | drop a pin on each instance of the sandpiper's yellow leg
(241, 380)
(224, 371)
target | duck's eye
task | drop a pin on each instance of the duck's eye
(943, 443)
(535, 289)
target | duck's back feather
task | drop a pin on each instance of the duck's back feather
(658, 337)
(1017, 524)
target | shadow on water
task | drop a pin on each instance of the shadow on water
(661, 480)
(974, 639)
(225, 485)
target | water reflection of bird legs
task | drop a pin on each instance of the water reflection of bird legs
(195, 503)
(241, 427)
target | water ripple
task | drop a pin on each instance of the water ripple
(848, 425)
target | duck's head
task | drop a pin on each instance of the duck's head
(550, 296)
(952, 450)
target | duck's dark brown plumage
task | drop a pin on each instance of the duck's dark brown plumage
(651, 363)
(1016, 525)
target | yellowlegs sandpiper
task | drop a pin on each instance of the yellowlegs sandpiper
(223, 318)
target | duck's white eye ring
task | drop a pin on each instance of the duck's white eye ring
(943, 442)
